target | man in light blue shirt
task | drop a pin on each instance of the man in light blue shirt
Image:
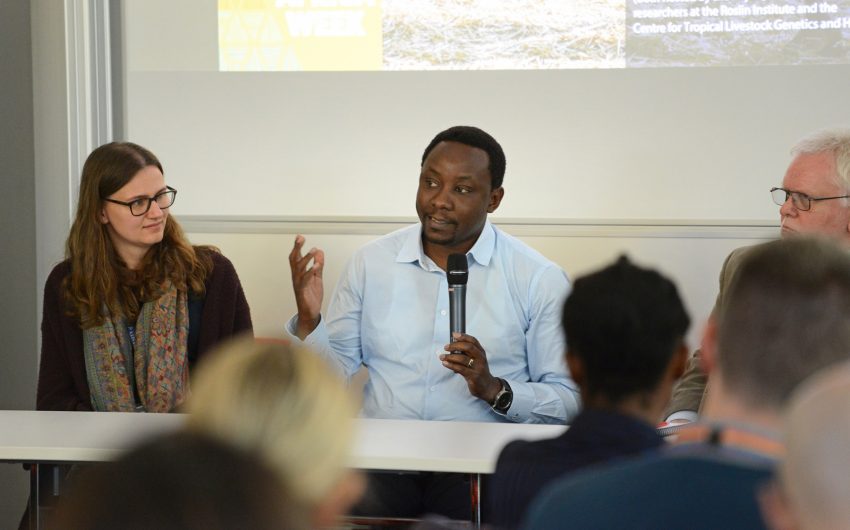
(390, 309)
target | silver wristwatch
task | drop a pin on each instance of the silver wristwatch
(503, 399)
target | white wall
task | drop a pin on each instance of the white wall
(693, 144)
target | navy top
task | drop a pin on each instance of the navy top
(669, 490)
(524, 468)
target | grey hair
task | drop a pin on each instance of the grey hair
(836, 141)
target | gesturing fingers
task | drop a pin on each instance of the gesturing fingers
(317, 257)
(295, 253)
(299, 264)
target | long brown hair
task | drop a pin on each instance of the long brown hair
(99, 277)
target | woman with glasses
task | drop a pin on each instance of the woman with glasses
(135, 305)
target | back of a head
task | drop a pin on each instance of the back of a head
(177, 482)
(786, 315)
(815, 474)
(625, 323)
(283, 402)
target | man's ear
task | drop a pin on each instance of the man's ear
(708, 347)
(576, 367)
(679, 362)
(495, 199)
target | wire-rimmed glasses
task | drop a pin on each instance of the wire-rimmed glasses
(800, 200)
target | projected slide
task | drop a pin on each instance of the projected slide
(737, 32)
(393, 35)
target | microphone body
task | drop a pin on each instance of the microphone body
(457, 309)
(457, 273)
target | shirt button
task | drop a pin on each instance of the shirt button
(443, 312)
(433, 388)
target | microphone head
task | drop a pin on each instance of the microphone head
(457, 269)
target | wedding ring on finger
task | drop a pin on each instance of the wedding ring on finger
(470, 363)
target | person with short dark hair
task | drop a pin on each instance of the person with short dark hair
(180, 481)
(474, 137)
(786, 316)
(390, 311)
(625, 328)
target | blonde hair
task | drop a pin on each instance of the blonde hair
(814, 473)
(283, 402)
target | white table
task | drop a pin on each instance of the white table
(400, 445)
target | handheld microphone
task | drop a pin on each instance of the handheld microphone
(457, 273)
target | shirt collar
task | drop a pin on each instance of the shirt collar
(482, 251)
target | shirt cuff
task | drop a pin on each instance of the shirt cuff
(688, 415)
(522, 404)
(314, 340)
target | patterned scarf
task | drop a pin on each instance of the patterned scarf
(155, 363)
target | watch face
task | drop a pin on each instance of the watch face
(504, 401)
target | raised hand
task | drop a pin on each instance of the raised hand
(307, 285)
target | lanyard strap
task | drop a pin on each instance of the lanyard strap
(732, 437)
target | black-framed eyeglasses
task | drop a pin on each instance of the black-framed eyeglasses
(140, 206)
(801, 201)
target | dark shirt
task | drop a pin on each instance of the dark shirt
(704, 487)
(524, 468)
(62, 382)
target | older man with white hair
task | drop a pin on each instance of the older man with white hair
(814, 199)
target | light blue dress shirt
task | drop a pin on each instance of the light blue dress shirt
(390, 312)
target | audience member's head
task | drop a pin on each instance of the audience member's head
(813, 197)
(178, 482)
(286, 404)
(813, 482)
(786, 315)
(625, 328)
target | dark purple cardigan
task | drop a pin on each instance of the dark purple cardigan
(62, 383)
